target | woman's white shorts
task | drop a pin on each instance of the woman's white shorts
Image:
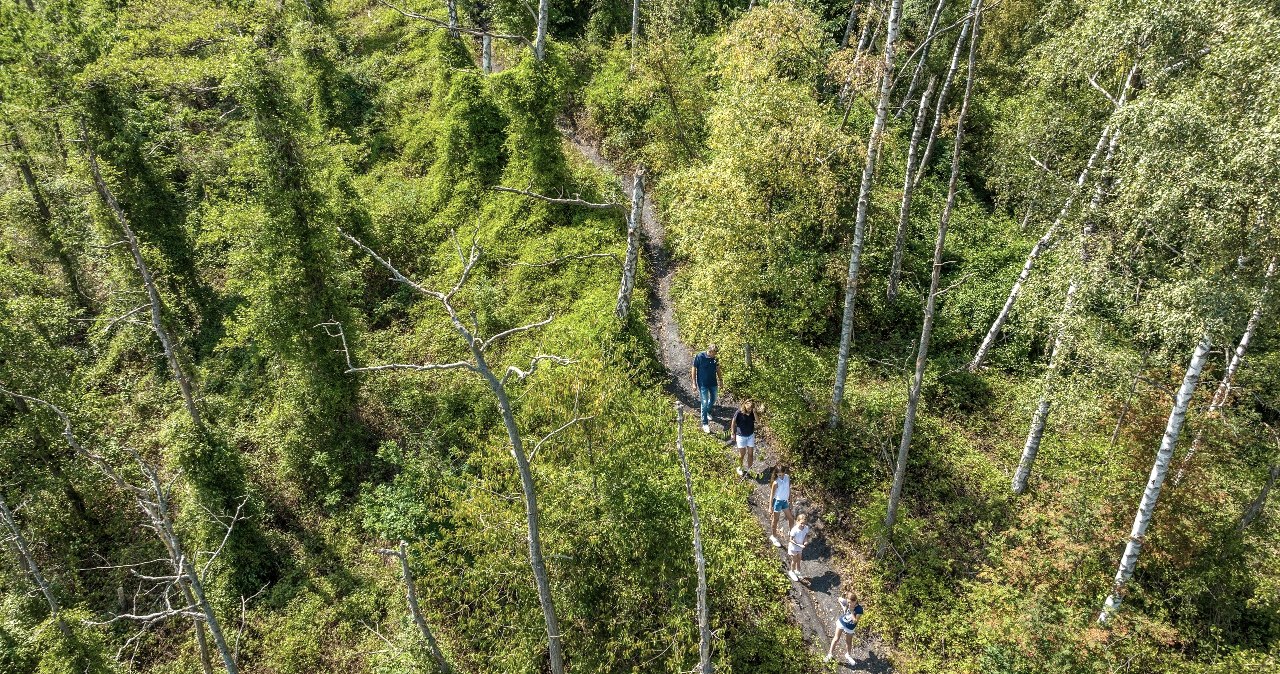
(746, 441)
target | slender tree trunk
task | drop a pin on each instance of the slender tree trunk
(1041, 416)
(45, 454)
(28, 561)
(540, 41)
(941, 105)
(157, 322)
(895, 269)
(1128, 400)
(635, 23)
(486, 53)
(1223, 391)
(453, 17)
(411, 596)
(926, 332)
(851, 24)
(633, 246)
(1255, 509)
(1158, 471)
(1108, 133)
(924, 56)
(44, 221)
(536, 560)
(870, 24)
(860, 220)
(700, 561)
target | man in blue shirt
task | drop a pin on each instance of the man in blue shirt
(706, 377)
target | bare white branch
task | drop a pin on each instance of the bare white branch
(520, 375)
(574, 200)
(486, 343)
(1093, 80)
(461, 29)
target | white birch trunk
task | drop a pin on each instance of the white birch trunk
(635, 23)
(453, 17)
(895, 268)
(1038, 420)
(540, 41)
(486, 53)
(926, 332)
(700, 561)
(940, 106)
(411, 597)
(1159, 469)
(633, 246)
(1109, 133)
(870, 24)
(28, 562)
(924, 56)
(860, 220)
(851, 24)
(1223, 391)
(153, 295)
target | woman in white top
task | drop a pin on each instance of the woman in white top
(780, 501)
(796, 543)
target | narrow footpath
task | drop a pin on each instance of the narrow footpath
(814, 603)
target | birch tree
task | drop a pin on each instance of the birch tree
(700, 560)
(940, 106)
(1147, 506)
(923, 55)
(1223, 392)
(851, 24)
(27, 562)
(631, 261)
(1046, 240)
(908, 186)
(479, 365)
(860, 219)
(411, 597)
(540, 41)
(926, 332)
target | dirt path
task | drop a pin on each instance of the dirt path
(814, 603)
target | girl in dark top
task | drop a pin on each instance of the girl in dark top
(850, 613)
(743, 430)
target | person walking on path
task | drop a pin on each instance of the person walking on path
(795, 545)
(780, 501)
(742, 428)
(850, 612)
(705, 373)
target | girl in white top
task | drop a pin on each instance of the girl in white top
(795, 545)
(780, 501)
(850, 613)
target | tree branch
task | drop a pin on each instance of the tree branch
(485, 343)
(520, 375)
(573, 201)
(461, 29)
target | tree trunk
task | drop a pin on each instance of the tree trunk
(924, 56)
(870, 24)
(940, 106)
(700, 561)
(540, 41)
(1108, 133)
(860, 220)
(45, 454)
(926, 332)
(1128, 401)
(1221, 394)
(851, 24)
(1041, 416)
(895, 269)
(44, 221)
(633, 246)
(1158, 471)
(153, 295)
(486, 53)
(411, 596)
(1255, 509)
(453, 17)
(635, 23)
(31, 567)
(536, 559)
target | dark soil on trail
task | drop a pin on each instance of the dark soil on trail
(814, 602)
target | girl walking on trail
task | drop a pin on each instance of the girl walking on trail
(850, 612)
(780, 501)
(795, 545)
(742, 428)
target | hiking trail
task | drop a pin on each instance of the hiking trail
(814, 605)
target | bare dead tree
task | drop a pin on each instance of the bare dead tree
(27, 561)
(860, 218)
(184, 580)
(411, 596)
(478, 364)
(633, 246)
(908, 184)
(153, 294)
(926, 332)
(924, 56)
(700, 561)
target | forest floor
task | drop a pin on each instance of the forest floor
(814, 602)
